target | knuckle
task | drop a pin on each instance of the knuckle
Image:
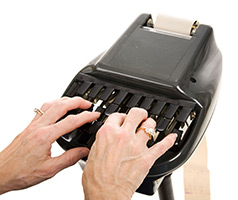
(31, 128)
(106, 131)
(124, 131)
(59, 107)
(47, 172)
(59, 104)
(147, 163)
(152, 122)
(79, 98)
(115, 115)
(46, 105)
(125, 136)
(40, 134)
(162, 148)
(37, 137)
(130, 121)
(65, 98)
(107, 128)
(100, 133)
(139, 111)
(72, 119)
(86, 113)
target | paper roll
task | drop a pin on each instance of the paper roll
(173, 24)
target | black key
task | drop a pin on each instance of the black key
(120, 97)
(99, 109)
(146, 103)
(106, 93)
(179, 133)
(95, 127)
(170, 111)
(162, 125)
(158, 107)
(95, 90)
(71, 91)
(84, 87)
(111, 109)
(183, 114)
(133, 101)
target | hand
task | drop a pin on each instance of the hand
(27, 160)
(119, 159)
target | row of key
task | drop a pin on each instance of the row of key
(169, 116)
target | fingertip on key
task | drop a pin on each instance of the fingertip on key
(173, 136)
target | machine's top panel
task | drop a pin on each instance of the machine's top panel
(150, 54)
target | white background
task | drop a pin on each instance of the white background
(43, 44)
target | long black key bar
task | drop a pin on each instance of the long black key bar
(94, 128)
(106, 93)
(158, 107)
(95, 90)
(84, 87)
(72, 90)
(133, 101)
(146, 103)
(120, 97)
(170, 111)
(111, 109)
(183, 114)
(162, 125)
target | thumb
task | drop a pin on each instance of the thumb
(70, 157)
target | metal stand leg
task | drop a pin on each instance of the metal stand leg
(166, 189)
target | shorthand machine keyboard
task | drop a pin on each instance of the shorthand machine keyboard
(171, 116)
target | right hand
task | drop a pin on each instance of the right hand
(119, 159)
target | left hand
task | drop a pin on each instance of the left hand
(27, 160)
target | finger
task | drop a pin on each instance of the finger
(59, 108)
(47, 105)
(161, 147)
(70, 123)
(116, 119)
(69, 158)
(141, 135)
(44, 108)
(134, 118)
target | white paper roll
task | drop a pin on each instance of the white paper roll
(173, 24)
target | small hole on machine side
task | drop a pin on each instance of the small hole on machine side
(193, 80)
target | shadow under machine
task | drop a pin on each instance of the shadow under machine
(172, 69)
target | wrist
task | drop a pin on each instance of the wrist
(5, 177)
(3, 183)
(106, 193)
(3, 189)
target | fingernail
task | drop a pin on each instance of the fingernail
(174, 135)
(98, 113)
(90, 103)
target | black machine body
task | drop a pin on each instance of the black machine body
(176, 79)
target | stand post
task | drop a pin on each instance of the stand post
(166, 189)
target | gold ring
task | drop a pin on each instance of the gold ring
(39, 111)
(152, 133)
